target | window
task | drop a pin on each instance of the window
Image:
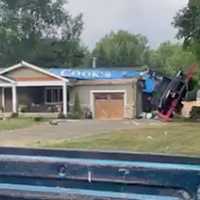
(117, 96)
(53, 95)
(109, 96)
(101, 96)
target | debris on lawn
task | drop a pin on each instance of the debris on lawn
(167, 148)
(147, 115)
(54, 122)
(166, 133)
(149, 137)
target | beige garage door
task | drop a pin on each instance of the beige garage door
(109, 105)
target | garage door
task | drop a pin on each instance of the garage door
(109, 105)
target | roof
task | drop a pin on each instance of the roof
(103, 76)
(9, 80)
(89, 76)
(96, 74)
(2, 69)
(25, 64)
(105, 82)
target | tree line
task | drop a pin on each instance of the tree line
(46, 34)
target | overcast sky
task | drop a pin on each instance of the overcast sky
(151, 18)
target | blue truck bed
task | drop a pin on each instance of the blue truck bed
(34, 174)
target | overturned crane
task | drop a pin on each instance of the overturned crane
(171, 93)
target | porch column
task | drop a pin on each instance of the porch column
(14, 98)
(65, 99)
(3, 99)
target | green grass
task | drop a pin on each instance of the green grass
(171, 138)
(16, 123)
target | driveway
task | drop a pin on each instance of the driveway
(67, 129)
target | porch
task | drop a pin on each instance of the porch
(34, 100)
(40, 99)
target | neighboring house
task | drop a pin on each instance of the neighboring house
(188, 105)
(31, 89)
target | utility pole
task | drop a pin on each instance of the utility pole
(94, 63)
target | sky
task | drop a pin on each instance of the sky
(151, 18)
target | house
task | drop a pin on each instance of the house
(34, 88)
(109, 93)
(107, 99)
(31, 89)
(189, 105)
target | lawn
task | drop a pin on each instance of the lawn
(16, 123)
(171, 138)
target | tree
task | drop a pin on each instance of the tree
(77, 111)
(188, 23)
(169, 58)
(121, 49)
(41, 32)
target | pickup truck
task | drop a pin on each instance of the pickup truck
(36, 174)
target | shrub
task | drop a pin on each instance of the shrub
(14, 115)
(195, 113)
(61, 116)
(76, 111)
(191, 95)
(37, 119)
(74, 116)
(69, 115)
(87, 113)
(23, 108)
(2, 109)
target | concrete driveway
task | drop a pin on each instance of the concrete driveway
(66, 129)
